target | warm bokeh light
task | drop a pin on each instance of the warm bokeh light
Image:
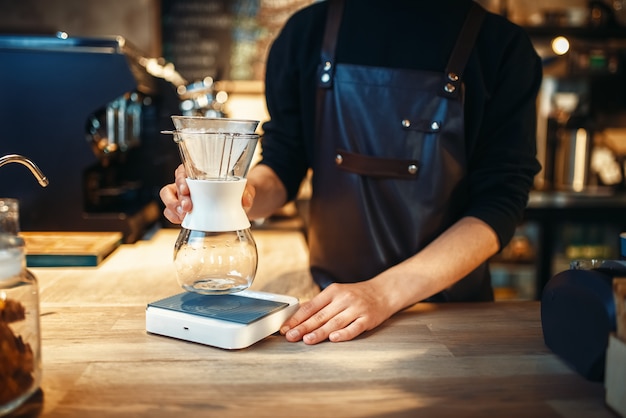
(560, 45)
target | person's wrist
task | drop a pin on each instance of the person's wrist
(393, 290)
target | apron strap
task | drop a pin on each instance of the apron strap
(377, 167)
(326, 69)
(460, 54)
(454, 69)
(327, 66)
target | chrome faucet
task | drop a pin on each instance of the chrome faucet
(15, 158)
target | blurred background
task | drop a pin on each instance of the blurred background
(86, 86)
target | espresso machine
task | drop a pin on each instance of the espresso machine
(90, 112)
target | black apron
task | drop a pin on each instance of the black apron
(389, 171)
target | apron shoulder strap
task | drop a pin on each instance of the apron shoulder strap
(456, 63)
(333, 20)
(460, 54)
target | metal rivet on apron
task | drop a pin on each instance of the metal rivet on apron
(449, 88)
(325, 78)
(327, 65)
(338, 159)
(435, 126)
(406, 123)
(453, 77)
(412, 169)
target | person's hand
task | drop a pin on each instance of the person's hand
(176, 197)
(340, 312)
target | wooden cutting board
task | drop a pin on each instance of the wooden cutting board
(67, 249)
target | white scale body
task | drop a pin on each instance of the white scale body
(246, 318)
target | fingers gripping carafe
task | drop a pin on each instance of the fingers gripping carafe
(215, 252)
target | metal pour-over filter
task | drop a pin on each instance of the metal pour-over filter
(216, 156)
(214, 148)
(214, 125)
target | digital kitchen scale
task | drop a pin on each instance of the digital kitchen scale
(230, 321)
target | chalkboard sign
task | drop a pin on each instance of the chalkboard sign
(197, 37)
(223, 39)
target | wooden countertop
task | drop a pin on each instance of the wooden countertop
(454, 360)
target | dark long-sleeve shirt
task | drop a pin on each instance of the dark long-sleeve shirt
(502, 79)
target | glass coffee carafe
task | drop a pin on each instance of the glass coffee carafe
(215, 252)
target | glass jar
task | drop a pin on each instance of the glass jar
(20, 341)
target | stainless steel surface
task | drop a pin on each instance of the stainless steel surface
(572, 159)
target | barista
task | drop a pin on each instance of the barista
(417, 119)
